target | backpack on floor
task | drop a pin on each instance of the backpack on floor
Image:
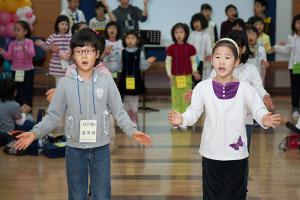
(55, 147)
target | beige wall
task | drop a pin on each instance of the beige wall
(46, 12)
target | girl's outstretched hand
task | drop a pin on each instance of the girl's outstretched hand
(151, 59)
(270, 120)
(142, 138)
(175, 118)
(24, 140)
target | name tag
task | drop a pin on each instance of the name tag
(88, 130)
(296, 68)
(19, 76)
(130, 83)
(180, 82)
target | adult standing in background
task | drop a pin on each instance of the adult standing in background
(73, 13)
(128, 16)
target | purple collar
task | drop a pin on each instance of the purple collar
(226, 91)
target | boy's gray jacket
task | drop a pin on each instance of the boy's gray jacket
(66, 103)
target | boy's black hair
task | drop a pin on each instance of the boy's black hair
(185, 27)
(201, 18)
(240, 22)
(229, 45)
(76, 26)
(252, 28)
(88, 37)
(295, 18)
(61, 18)
(112, 23)
(99, 4)
(136, 34)
(206, 6)
(262, 2)
(254, 19)
(8, 89)
(26, 27)
(240, 37)
(230, 6)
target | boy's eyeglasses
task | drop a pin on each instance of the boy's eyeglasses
(85, 51)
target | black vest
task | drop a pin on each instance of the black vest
(131, 68)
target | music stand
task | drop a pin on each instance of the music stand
(151, 40)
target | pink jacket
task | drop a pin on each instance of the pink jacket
(21, 54)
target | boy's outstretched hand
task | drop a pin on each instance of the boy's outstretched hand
(175, 118)
(270, 120)
(24, 140)
(142, 138)
(50, 94)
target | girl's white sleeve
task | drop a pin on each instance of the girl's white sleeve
(263, 54)
(286, 49)
(208, 48)
(168, 65)
(194, 63)
(257, 83)
(255, 104)
(194, 111)
(144, 64)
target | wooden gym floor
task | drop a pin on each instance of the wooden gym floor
(170, 170)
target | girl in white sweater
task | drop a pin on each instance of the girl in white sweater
(292, 47)
(224, 141)
(201, 40)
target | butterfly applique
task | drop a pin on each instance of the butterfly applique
(236, 146)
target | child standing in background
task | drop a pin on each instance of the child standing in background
(20, 52)
(226, 26)
(99, 22)
(259, 58)
(292, 47)
(259, 10)
(84, 98)
(113, 48)
(263, 38)
(58, 42)
(224, 141)
(202, 42)
(73, 13)
(206, 11)
(180, 66)
(131, 84)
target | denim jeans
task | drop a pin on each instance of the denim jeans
(84, 163)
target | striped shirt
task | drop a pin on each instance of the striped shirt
(62, 41)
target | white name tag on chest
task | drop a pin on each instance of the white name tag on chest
(19, 76)
(88, 130)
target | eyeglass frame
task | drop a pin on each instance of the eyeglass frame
(91, 51)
